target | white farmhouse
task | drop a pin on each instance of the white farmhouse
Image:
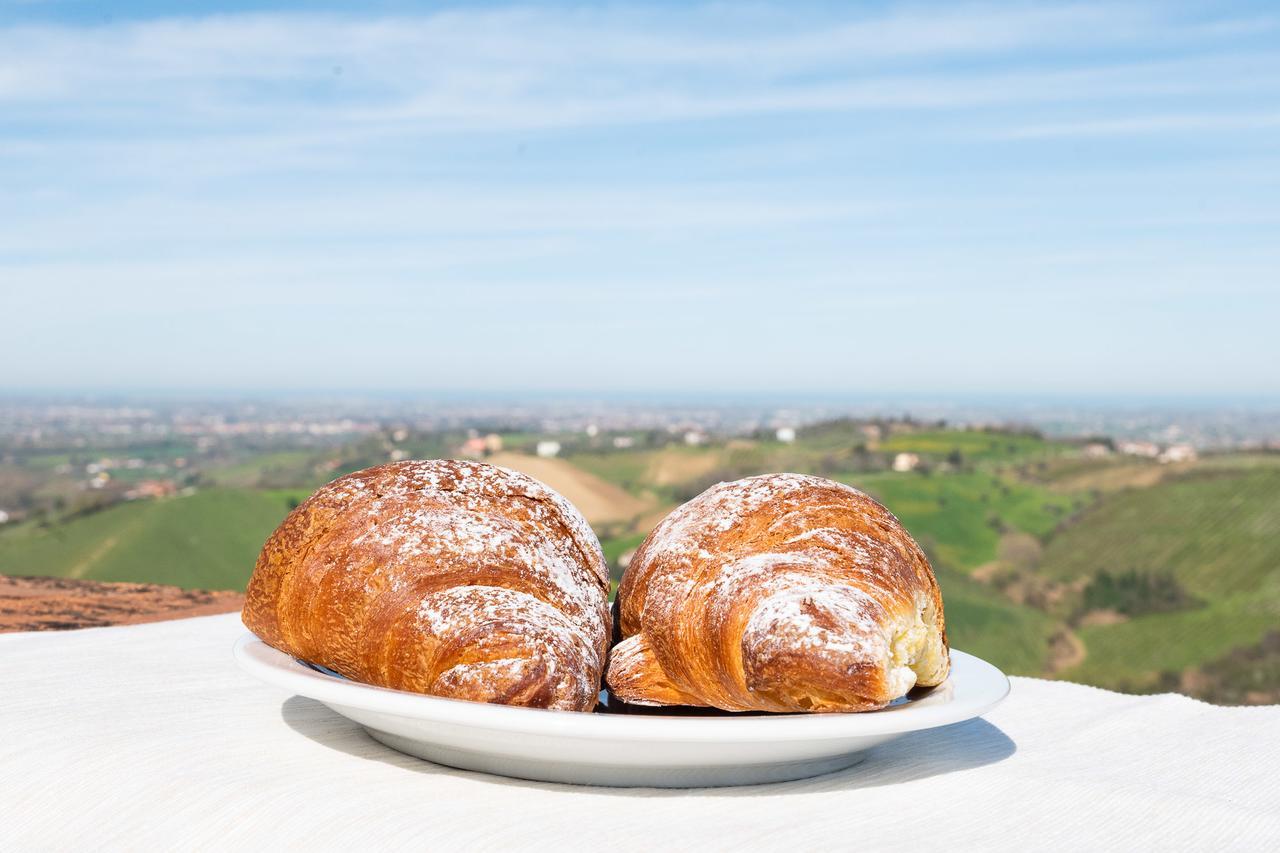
(1148, 449)
(1177, 453)
(904, 462)
(1096, 450)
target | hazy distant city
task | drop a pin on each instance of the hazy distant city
(44, 422)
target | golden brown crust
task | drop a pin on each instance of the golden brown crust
(778, 593)
(457, 579)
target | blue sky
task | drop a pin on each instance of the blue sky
(1062, 198)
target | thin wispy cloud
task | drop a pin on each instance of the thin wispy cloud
(535, 68)
(1182, 124)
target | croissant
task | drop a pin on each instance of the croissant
(457, 579)
(778, 593)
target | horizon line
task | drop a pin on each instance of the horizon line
(846, 396)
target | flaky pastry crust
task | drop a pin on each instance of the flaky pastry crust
(778, 593)
(456, 579)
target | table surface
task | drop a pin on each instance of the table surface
(149, 737)
(60, 604)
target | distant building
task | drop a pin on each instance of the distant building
(493, 443)
(1177, 453)
(693, 438)
(786, 435)
(1147, 449)
(548, 449)
(592, 430)
(1096, 450)
(151, 489)
(622, 442)
(904, 462)
(473, 447)
(398, 455)
(4, 517)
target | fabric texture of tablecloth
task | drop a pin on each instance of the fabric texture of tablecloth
(149, 737)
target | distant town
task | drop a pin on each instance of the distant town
(36, 421)
(104, 441)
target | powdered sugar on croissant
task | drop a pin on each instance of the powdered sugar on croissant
(457, 579)
(778, 593)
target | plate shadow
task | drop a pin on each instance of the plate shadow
(919, 755)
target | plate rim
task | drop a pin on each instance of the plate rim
(976, 687)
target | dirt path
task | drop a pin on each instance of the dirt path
(102, 549)
(599, 500)
(81, 567)
(1066, 651)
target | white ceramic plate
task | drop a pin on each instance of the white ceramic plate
(661, 749)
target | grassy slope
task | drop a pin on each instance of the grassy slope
(624, 468)
(951, 514)
(249, 472)
(1077, 474)
(1131, 652)
(1217, 533)
(974, 446)
(208, 540)
(655, 472)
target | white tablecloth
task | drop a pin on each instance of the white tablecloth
(148, 737)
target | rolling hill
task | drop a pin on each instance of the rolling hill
(959, 518)
(974, 445)
(599, 501)
(208, 540)
(1217, 531)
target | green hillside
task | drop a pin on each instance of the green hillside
(959, 518)
(999, 447)
(293, 466)
(625, 469)
(1131, 654)
(206, 540)
(1216, 531)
